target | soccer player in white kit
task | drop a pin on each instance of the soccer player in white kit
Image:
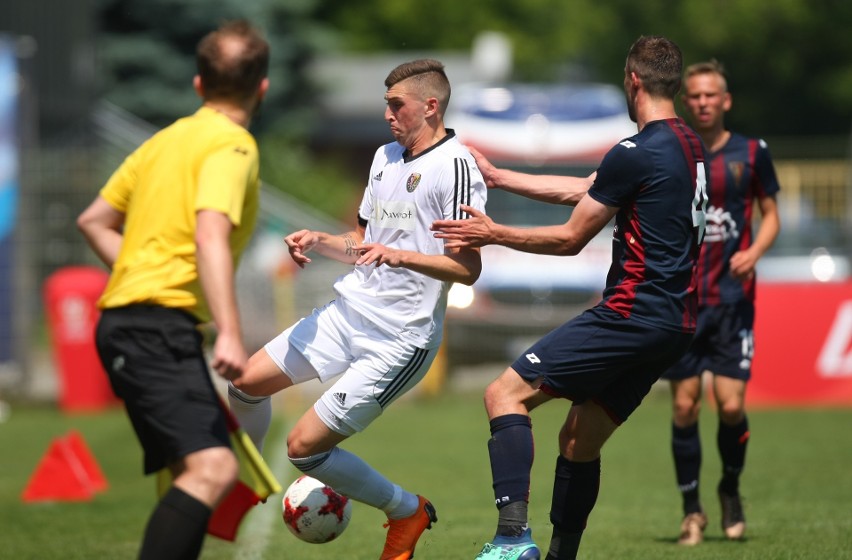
(383, 329)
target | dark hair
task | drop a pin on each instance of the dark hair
(429, 77)
(232, 61)
(658, 62)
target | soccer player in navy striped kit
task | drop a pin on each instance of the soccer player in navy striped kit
(740, 174)
(606, 359)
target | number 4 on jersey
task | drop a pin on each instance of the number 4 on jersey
(699, 201)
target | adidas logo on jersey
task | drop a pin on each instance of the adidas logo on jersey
(340, 398)
(378, 177)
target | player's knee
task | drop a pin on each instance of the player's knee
(295, 445)
(731, 412)
(489, 398)
(298, 445)
(686, 410)
(310, 463)
(576, 448)
(239, 395)
(499, 399)
(243, 385)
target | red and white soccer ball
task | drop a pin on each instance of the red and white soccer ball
(314, 512)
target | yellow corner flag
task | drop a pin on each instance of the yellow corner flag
(256, 483)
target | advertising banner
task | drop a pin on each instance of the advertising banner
(803, 345)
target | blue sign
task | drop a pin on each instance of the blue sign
(9, 161)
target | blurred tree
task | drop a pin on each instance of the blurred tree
(790, 61)
(146, 52)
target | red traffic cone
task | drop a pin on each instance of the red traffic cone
(67, 472)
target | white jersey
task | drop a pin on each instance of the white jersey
(402, 199)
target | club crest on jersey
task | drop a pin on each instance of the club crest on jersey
(412, 182)
(736, 168)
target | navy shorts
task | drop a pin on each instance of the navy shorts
(155, 360)
(602, 356)
(723, 344)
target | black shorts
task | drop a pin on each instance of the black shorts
(155, 360)
(723, 344)
(602, 356)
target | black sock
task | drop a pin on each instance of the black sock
(686, 449)
(575, 491)
(511, 452)
(563, 546)
(732, 442)
(176, 528)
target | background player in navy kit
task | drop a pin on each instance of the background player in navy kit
(384, 327)
(606, 359)
(740, 173)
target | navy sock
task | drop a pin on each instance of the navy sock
(732, 442)
(686, 449)
(563, 546)
(511, 451)
(176, 528)
(575, 491)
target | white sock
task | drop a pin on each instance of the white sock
(253, 413)
(353, 477)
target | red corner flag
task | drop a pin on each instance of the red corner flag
(256, 483)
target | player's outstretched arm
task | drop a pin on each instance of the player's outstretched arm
(555, 189)
(462, 265)
(586, 221)
(338, 247)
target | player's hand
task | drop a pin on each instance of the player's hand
(742, 265)
(378, 254)
(476, 231)
(489, 172)
(229, 356)
(299, 243)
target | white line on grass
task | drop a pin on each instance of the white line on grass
(260, 522)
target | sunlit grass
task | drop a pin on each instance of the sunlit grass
(797, 486)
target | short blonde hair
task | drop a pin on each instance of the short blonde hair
(711, 66)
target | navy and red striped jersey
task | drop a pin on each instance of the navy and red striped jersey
(740, 173)
(657, 180)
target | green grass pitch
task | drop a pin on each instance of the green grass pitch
(797, 487)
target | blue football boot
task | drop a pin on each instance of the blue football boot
(510, 548)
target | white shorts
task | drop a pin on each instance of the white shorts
(377, 367)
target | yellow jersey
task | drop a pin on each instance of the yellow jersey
(203, 161)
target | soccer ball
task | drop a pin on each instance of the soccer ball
(314, 512)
